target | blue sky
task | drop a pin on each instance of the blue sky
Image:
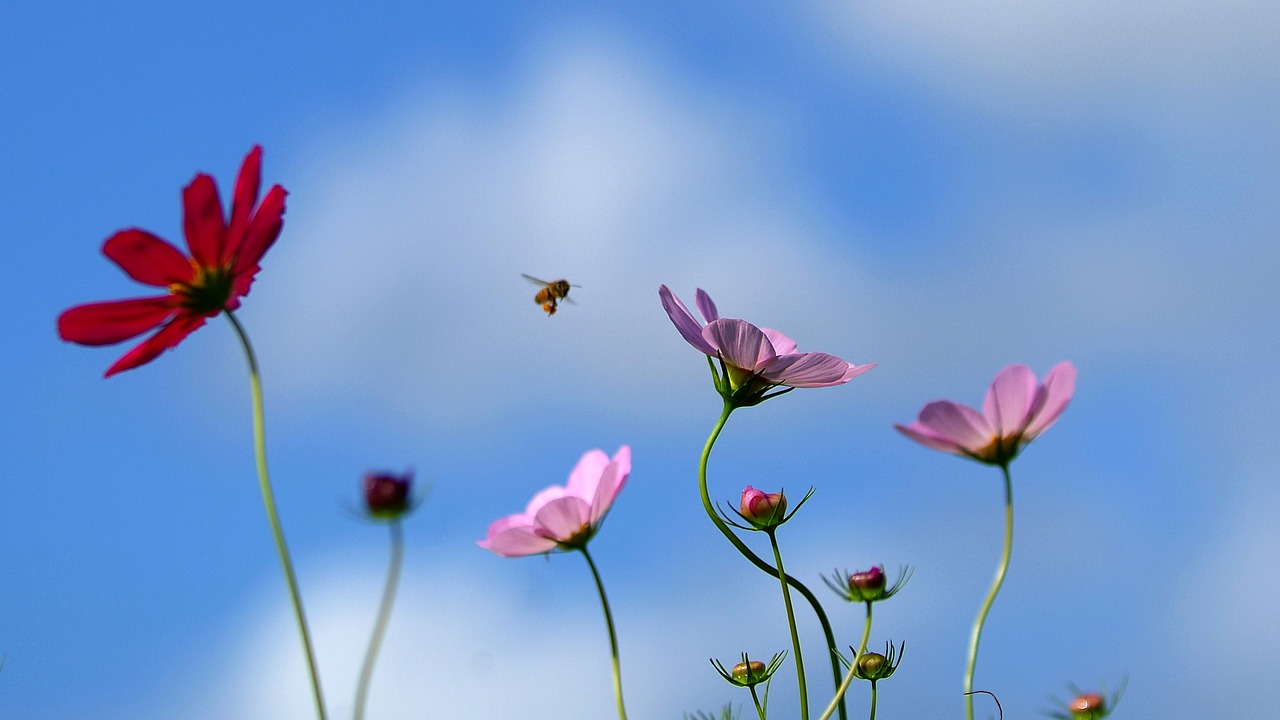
(941, 191)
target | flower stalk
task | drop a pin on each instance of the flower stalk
(1001, 570)
(613, 636)
(384, 615)
(273, 517)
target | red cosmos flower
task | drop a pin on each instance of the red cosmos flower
(223, 262)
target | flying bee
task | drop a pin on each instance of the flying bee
(551, 293)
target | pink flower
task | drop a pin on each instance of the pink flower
(762, 509)
(1014, 413)
(565, 517)
(754, 359)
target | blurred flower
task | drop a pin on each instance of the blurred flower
(753, 360)
(764, 510)
(220, 270)
(1015, 412)
(1088, 705)
(867, 585)
(386, 496)
(565, 517)
(750, 673)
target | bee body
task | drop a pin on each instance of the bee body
(550, 294)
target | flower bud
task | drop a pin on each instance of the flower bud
(870, 664)
(748, 673)
(386, 496)
(869, 584)
(1087, 706)
(764, 510)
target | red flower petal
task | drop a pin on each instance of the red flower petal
(107, 323)
(261, 232)
(169, 336)
(202, 221)
(242, 202)
(148, 259)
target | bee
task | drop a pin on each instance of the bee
(551, 293)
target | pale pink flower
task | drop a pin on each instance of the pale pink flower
(762, 509)
(563, 517)
(1015, 412)
(754, 359)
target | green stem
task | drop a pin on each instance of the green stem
(1003, 568)
(268, 500)
(755, 559)
(848, 676)
(756, 698)
(791, 623)
(384, 615)
(873, 700)
(613, 636)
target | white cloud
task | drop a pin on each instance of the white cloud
(1001, 54)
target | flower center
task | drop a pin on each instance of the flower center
(208, 292)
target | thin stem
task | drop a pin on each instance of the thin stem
(1003, 568)
(848, 676)
(755, 559)
(791, 623)
(756, 699)
(273, 517)
(384, 615)
(866, 632)
(873, 700)
(613, 637)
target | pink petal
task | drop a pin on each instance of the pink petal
(807, 370)
(1057, 391)
(1008, 403)
(705, 306)
(955, 423)
(555, 492)
(513, 536)
(741, 344)
(585, 477)
(683, 320)
(782, 345)
(563, 518)
(612, 480)
(168, 337)
(107, 323)
(856, 370)
(202, 221)
(148, 259)
(926, 437)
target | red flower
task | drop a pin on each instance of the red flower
(223, 262)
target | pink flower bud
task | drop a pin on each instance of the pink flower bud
(387, 495)
(1087, 706)
(764, 510)
(869, 584)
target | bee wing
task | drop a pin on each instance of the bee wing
(534, 280)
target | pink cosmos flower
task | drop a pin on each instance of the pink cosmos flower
(754, 359)
(563, 517)
(1015, 412)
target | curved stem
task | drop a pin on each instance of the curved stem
(384, 615)
(1001, 570)
(755, 559)
(848, 676)
(791, 623)
(269, 501)
(613, 637)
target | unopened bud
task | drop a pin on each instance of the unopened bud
(764, 510)
(1087, 706)
(386, 495)
(748, 673)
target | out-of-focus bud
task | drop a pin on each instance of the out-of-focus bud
(1088, 706)
(762, 509)
(386, 495)
(870, 583)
